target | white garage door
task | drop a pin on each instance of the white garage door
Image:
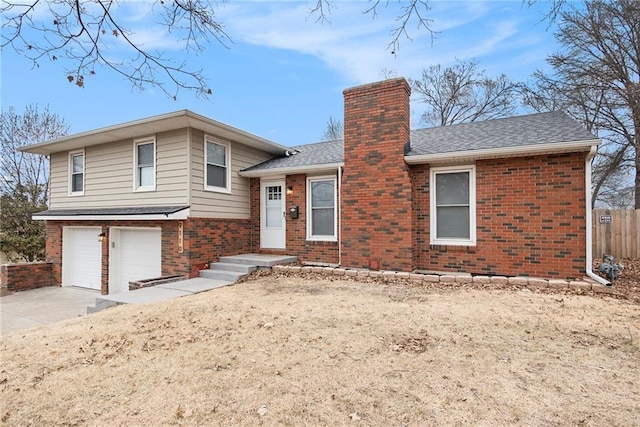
(135, 254)
(81, 257)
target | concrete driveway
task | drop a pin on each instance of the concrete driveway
(27, 309)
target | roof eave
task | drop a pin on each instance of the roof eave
(261, 173)
(152, 125)
(503, 152)
(180, 215)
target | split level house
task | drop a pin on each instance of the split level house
(168, 194)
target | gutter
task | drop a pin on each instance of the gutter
(111, 214)
(291, 170)
(589, 219)
(340, 216)
(501, 152)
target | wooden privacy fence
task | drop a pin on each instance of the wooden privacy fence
(616, 232)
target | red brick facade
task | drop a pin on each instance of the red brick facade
(297, 244)
(204, 241)
(376, 185)
(530, 219)
(530, 211)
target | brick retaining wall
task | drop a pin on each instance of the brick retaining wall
(24, 276)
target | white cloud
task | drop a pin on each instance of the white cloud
(156, 38)
(355, 45)
(491, 42)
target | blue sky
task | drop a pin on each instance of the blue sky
(283, 75)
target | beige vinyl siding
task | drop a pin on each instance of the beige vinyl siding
(109, 172)
(210, 204)
(58, 179)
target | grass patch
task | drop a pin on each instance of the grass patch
(292, 351)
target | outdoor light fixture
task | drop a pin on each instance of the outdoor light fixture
(289, 191)
(101, 237)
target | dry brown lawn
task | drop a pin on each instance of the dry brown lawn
(298, 351)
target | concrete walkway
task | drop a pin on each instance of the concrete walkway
(157, 293)
(28, 309)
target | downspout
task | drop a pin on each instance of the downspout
(339, 216)
(589, 220)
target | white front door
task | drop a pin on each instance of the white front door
(272, 215)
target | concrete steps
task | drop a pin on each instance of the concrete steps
(235, 267)
(100, 305)
(227, 271)
(259, 260)
(221, 274)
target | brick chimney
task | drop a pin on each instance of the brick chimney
(376, 215)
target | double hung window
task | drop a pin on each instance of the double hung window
(76, 173)
(321, 208)
(453, 206)
(145, 160)
(217, 171)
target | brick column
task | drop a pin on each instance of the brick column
(376, 193)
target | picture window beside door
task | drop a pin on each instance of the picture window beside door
(321, 209)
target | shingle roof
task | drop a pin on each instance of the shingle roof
(319, 153)
(518, 131)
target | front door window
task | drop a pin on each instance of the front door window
(273, 203)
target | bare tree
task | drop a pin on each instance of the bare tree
(24, 179)
(596, 78)
(87, 35)
(83, 34)
(334, 130)
(411, 14)
(555, 7)
(19, 130)
(462, 93)
(617, 191)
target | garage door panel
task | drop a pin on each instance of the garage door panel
(82, 257)
(136, 254)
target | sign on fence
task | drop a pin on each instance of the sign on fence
(616, 232)
(605, 219)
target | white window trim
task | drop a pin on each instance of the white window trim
(136, 177)
(84, 161)
(472, 206)
(310, 237)
(227, 146)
